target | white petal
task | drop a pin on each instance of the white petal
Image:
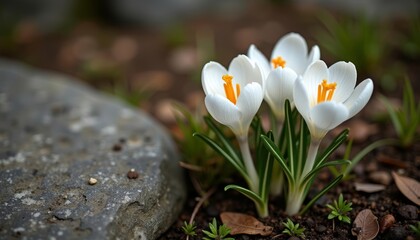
(279, 87)
(211, 78)
(314, 55)
(293, 49)
(249, 101)
(360, 97)
(344, 74)
(224, 111)
(312, 77)
(328, 115)
(259, 58)
(300, 97)
(244, 71)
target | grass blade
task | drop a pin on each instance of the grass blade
(274, 150)
(225, 142)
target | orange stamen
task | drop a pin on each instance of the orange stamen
(278, 62)
(325, 91)
(229, 90)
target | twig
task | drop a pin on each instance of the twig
(190, 167)
(200, 202)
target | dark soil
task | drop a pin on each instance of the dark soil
(74, 50)
(389, 201)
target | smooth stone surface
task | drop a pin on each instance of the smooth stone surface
(56, 134)
(372, 9)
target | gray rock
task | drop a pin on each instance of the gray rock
(46, 14)
(56, 134)
(372, 9)
(166, 12)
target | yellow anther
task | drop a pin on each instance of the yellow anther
(325, 91)
(278, 62)
(229, 90)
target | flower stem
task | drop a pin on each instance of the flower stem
(294, 201)
(262, 210)
(310, 159)
(249, 163)
(277, 180)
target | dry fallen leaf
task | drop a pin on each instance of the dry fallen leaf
(369, 187)
(409, 187)
(244, 224)
(365, 226)
(386, 222)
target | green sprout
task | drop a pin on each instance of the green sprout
(217, 233)
(415, 229)
(339, 210)
(189, 229)
(293, 229)
(406, 119)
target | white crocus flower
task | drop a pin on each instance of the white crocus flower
(233, 97)
(278, 88)
(290, 51)
(289, 59)
(326, 97)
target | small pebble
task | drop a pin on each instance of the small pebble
(408, 212)
(381, 177)
(92, 181)
(132, 174)
(373, 205)
(321, 228)
(116, 148)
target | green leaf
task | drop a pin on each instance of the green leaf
(256, 126)
(321, 193)
(237, 164)
(209, 234)
(346, 219)
(225, 142)
(247, 193)
(274, 150)
(290, 136)
(332, 147)
(266, 162)
(312, 173)
(213, 226)
(304, 141)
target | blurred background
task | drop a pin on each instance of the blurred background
(151, 52)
